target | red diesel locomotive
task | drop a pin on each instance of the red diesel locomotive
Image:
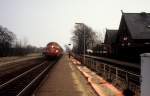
(53, 50)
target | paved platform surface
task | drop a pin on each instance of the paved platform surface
(101, 86)
(64, 79)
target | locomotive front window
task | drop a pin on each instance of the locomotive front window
(52, 46)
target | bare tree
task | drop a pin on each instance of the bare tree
(79, 36)
(9, 45)
(6, 39)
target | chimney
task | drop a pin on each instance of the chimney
(144, 14)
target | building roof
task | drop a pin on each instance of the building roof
(138, 24)
(110, 36)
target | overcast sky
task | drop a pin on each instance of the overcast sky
(43, 21)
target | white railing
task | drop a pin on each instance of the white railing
(119, 77)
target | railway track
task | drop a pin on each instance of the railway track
(25, 83)
(10, 71)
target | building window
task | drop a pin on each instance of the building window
(147, 43)
(122, 44)
(148, 26)
(125, 38)
(129, 44)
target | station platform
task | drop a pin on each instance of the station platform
(64, 79)
(100, 85)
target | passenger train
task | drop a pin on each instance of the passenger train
(52, 50)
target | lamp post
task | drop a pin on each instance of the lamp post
(83, 41)
(69, 50)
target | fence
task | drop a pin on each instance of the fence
(119, 77)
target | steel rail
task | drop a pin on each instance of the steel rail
(23, 92)
(19, 76)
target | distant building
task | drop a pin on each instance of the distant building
(100, 50)
(110, 41)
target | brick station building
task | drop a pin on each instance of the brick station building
(132, 38)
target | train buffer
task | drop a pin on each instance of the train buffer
(68, 78)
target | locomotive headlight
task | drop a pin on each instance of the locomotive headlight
(56, 51)
(52, 46)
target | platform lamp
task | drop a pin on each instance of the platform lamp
(69, 49)
(82, 24)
